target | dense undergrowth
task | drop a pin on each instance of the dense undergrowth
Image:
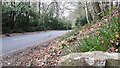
(99, 36)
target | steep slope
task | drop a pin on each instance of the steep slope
(100, 36)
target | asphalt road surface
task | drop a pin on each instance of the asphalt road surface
(10, 44)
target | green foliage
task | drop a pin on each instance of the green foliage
(18, 18)
(102, 40)
(22, 17)
(82, 21)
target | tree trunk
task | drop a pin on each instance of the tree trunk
(39, 6)
(86, 11)
(27, 12)
(92, 14)
(1, 19)
(97, 9)
(102, 6)
(118, 4)
(12, 15)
